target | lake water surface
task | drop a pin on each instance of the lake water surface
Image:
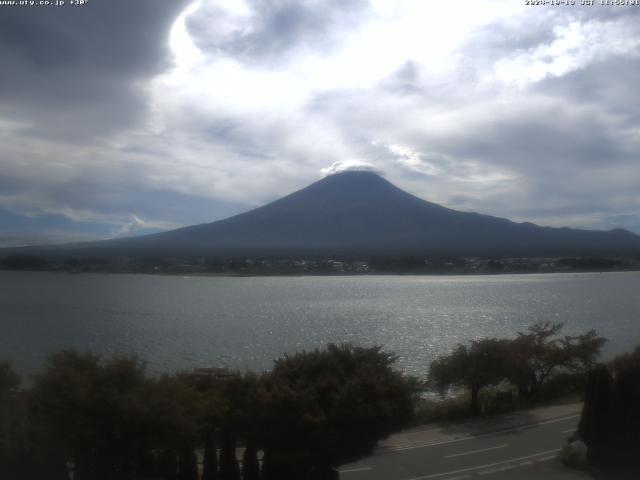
(177, 322)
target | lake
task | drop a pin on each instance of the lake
(177, 323)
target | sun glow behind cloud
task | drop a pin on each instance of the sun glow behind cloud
(212, 81)
(227, 104)
(315, 92)
(394, 32)
(219, 84)
(186, 54)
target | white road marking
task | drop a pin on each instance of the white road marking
(475, 451)
(362, 469)
(497, 470)
(570, 430)
(556, 420)
(488, 465)
(482, 435)
(545, 459)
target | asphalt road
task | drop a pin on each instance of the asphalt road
(513, 452)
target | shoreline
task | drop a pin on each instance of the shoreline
(325, 274)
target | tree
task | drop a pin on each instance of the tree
(610, 421)
(250, 465)
(187, 464)
(594, 422)
(168, 465)
(527, 361)
(238, 420)
(9, 380)
(60, 408)
(101, 415)
(539, 353)
(327, 407)
(24, 262)
(229, 469)
(485, 362)
(171, 423)
(12, 422)
(210, 460)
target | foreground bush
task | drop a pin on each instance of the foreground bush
(108, 420)
(325, 408)
(610, 421)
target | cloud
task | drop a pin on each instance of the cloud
(273, 32)
(348, 166)
(74, 73)
(136, 225)
(573, 47)
(413, 160)
(185, 112)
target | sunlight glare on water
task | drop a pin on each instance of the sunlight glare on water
(183, 322)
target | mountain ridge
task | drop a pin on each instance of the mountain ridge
(358, 213)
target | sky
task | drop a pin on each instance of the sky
(122, 117)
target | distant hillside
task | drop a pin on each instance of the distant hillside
(357, 213)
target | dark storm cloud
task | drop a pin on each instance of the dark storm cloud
(72, 71)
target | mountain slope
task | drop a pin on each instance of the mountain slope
(360, 213)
